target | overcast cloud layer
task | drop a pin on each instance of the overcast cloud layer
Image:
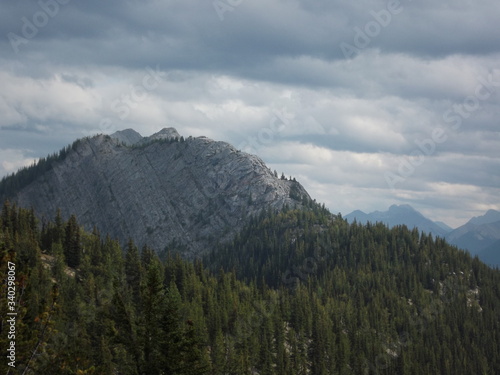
(366, 103)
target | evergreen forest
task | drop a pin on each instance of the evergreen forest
(296, 292)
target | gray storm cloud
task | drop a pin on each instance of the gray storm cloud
(409, 114)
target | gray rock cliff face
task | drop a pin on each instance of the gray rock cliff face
(160, 190)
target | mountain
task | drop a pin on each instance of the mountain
(444, 226)
(491, 254)
(296, 289)
(398, 215)
(480, 235)
(159, 190)
(128, 136)
(359, 216)
(491, 216)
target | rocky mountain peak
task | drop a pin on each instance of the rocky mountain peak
(165, 134)
(127, 136)
(130, 137)
(491, 216)
(165, 189)
(402, 208)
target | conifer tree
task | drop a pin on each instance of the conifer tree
(153, 305)
(218, 354)
(172, 337)
(59, 228)
(133, 271)
(72, 246)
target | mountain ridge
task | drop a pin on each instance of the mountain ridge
(491, 216)
(159, 190)
(397, 215)
(480, 236)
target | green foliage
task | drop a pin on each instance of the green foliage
(72, 244)
(369, 299)
(297, 292)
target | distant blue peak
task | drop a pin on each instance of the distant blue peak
(401, 207)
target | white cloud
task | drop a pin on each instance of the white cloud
(272, 77)
(12, 160)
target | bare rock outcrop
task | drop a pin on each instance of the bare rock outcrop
(160, 190)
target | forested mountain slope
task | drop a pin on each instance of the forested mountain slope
(297, 292)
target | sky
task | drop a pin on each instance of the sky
(366, 103)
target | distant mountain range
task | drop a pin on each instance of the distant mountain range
(480, 235)
(398, 215)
